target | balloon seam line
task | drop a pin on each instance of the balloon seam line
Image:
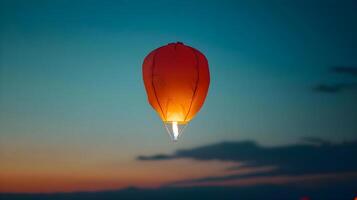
(197, 80)
(153, 85)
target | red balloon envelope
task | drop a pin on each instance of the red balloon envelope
(176, 79)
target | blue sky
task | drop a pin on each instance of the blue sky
(70, 73)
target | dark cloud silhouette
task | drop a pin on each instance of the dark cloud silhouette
(315, 140)
(155, 157)
(312, 156)
(328, 88)
(345, 70)
(335, 88)
(332, 191)
(271, 174)
(338, 87)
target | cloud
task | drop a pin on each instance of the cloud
(226, 151)
(312, 156)
(335, 88)
(334, 190)
(344, 70)
(154, 157)
(338, 87)
(315, 140)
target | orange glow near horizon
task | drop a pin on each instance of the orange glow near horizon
(72, 178)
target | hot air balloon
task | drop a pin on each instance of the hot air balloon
(176, 78)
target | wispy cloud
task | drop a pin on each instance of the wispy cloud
(335, 88)
(344, 70)
(154, 157)
(338, 87)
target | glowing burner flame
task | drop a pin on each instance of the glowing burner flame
(175, 130)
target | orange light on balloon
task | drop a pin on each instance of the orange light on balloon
(176, 78)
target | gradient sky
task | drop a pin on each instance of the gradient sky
(73, 108)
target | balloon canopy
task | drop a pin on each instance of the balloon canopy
(176, 78)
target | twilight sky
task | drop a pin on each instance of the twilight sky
(73, 108)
